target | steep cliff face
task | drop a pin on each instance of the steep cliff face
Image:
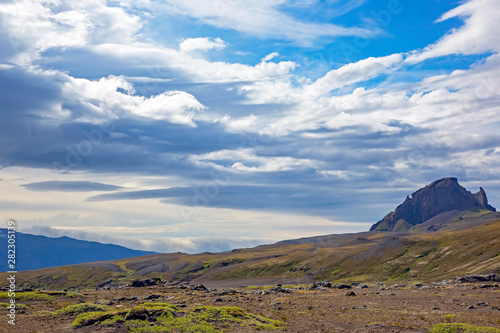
(440, 196)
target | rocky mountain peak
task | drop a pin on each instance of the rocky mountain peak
(440, 196)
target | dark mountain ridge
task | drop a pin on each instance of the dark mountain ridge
(34, 252)
(444, 195)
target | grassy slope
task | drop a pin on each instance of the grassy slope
(364, 257)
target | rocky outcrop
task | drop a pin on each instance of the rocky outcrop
(478, 278)
(440, 196)
(144, 283)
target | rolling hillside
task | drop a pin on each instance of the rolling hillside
(466, 244)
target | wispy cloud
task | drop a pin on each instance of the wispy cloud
(479, 34)
(70, 186)
(264, 19)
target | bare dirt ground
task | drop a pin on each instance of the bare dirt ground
(370, 309)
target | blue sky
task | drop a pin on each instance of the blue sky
(208, 125)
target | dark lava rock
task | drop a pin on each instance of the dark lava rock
(341, 286)
(478, 278)
(199, 287)
(280, 289)
(143, 283)
(322, 284)
(441, 196)
(153, 297)
(350, 293)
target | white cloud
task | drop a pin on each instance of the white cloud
(175, 106)
(107, 102)
(196, 69)
(243, 124)
(112, 97)
(247, 160)
(479, 34)
(201, 44)
(34, 26)
(271, 56)
(354, 72)
(309, 106)
(261, 18)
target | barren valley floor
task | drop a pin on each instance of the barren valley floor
(369, 308)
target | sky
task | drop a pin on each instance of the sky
(195, 125)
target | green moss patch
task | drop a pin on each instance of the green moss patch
(108, 318)
(462, 328)
(201, 319)
(82, 308)
(165, 317)
(29, 296)
(18, 306)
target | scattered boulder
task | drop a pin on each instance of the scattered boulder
(153, 297)
(121, 299)
(341, 286)
(322, 284)
(350, 293)
(144, 283)
(280, 289)
(199, 287)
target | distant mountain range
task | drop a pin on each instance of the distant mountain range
(33, 252)
(442, 196)
(442, 231)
